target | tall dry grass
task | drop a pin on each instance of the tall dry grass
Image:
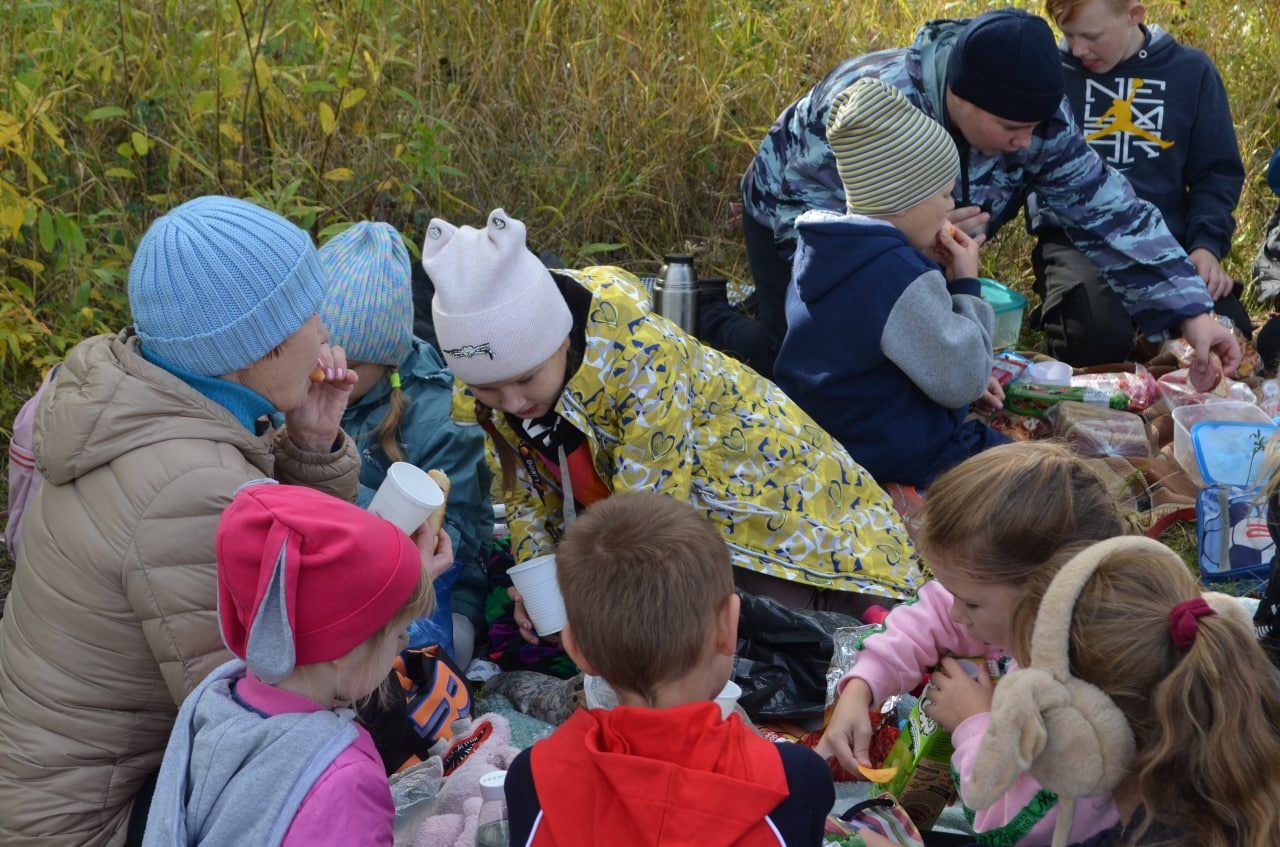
(617, 129)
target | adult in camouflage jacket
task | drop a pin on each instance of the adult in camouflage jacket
(995, 81)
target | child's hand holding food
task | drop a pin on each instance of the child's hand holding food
(848, 733)
(958, 251)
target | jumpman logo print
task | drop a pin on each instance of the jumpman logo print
(1121, 115)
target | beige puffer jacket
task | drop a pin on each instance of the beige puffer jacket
(111, 619)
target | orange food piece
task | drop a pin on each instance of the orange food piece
(317, 374)
(880, 775)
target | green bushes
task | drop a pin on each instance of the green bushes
(617, 129)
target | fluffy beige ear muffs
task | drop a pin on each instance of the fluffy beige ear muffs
(1065, 732)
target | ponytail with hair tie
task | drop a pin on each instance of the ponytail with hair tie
(1184, 621)
(388, 432)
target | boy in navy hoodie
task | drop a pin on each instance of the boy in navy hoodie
(648, 592)
(1156, 111)
(888, 338)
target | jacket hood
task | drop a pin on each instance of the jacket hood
(108, 400)
(1158, 42)
(933, 43)
(856, 240)
(681, 776)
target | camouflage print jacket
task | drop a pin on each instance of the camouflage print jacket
(662, 412)
(1127, 238)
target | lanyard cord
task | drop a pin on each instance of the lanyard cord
(536, 478)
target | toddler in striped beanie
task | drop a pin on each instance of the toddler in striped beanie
(889, 342)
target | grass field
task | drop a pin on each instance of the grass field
(618, 130)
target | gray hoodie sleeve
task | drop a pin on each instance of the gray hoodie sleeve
(941, 338)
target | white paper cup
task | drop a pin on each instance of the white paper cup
(536, 582)
(728, 698)
(1049, 373)
(407, 497)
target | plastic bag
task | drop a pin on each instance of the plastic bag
(1092, 431)
(437, 627)
(782, 659)
(1176, 391)
(1140, 386)
(599, 694)
(415, 792)
(1027, 398)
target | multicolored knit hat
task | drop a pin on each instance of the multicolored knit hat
(217, 283)
(497, 311)
(304, 577)
(369, 309)
(1006, 62)
(889, 154)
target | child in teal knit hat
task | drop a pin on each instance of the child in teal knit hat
(399, 410)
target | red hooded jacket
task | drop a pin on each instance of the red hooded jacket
(682, 776)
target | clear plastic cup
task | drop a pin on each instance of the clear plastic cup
(407, 497)
(536, 582)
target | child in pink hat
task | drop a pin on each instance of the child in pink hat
(314, 598)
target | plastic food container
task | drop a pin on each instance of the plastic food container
(1009, 307)
(1185, 417)
(1231, 452)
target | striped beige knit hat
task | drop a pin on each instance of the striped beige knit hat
(890, 155)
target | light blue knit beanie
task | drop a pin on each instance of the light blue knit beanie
(369, 309)
(217, 283)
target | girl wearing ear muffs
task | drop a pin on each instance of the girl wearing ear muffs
(584, 391)
(988, 526)
(1135, 682)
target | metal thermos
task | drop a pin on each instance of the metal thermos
(675, 295)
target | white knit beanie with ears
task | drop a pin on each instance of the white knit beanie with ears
(497, 311)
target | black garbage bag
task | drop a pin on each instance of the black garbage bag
(782, 659)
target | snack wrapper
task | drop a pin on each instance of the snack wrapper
(1028, 398)
(922, 755)
(1009, 366)
(844, 653)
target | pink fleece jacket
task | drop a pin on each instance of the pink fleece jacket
(351, 802)
(914, 637)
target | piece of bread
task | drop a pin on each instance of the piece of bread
(436, 521)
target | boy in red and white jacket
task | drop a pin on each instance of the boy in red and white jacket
(648, 590)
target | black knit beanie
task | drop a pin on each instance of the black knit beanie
(1006, 63)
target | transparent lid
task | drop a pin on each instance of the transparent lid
(492, 785)
(1231, 452)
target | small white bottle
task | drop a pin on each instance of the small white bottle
(492, 830)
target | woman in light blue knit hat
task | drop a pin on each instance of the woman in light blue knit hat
(144, 437)
(399, 411)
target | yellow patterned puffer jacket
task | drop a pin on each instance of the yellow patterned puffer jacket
(662, 412)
